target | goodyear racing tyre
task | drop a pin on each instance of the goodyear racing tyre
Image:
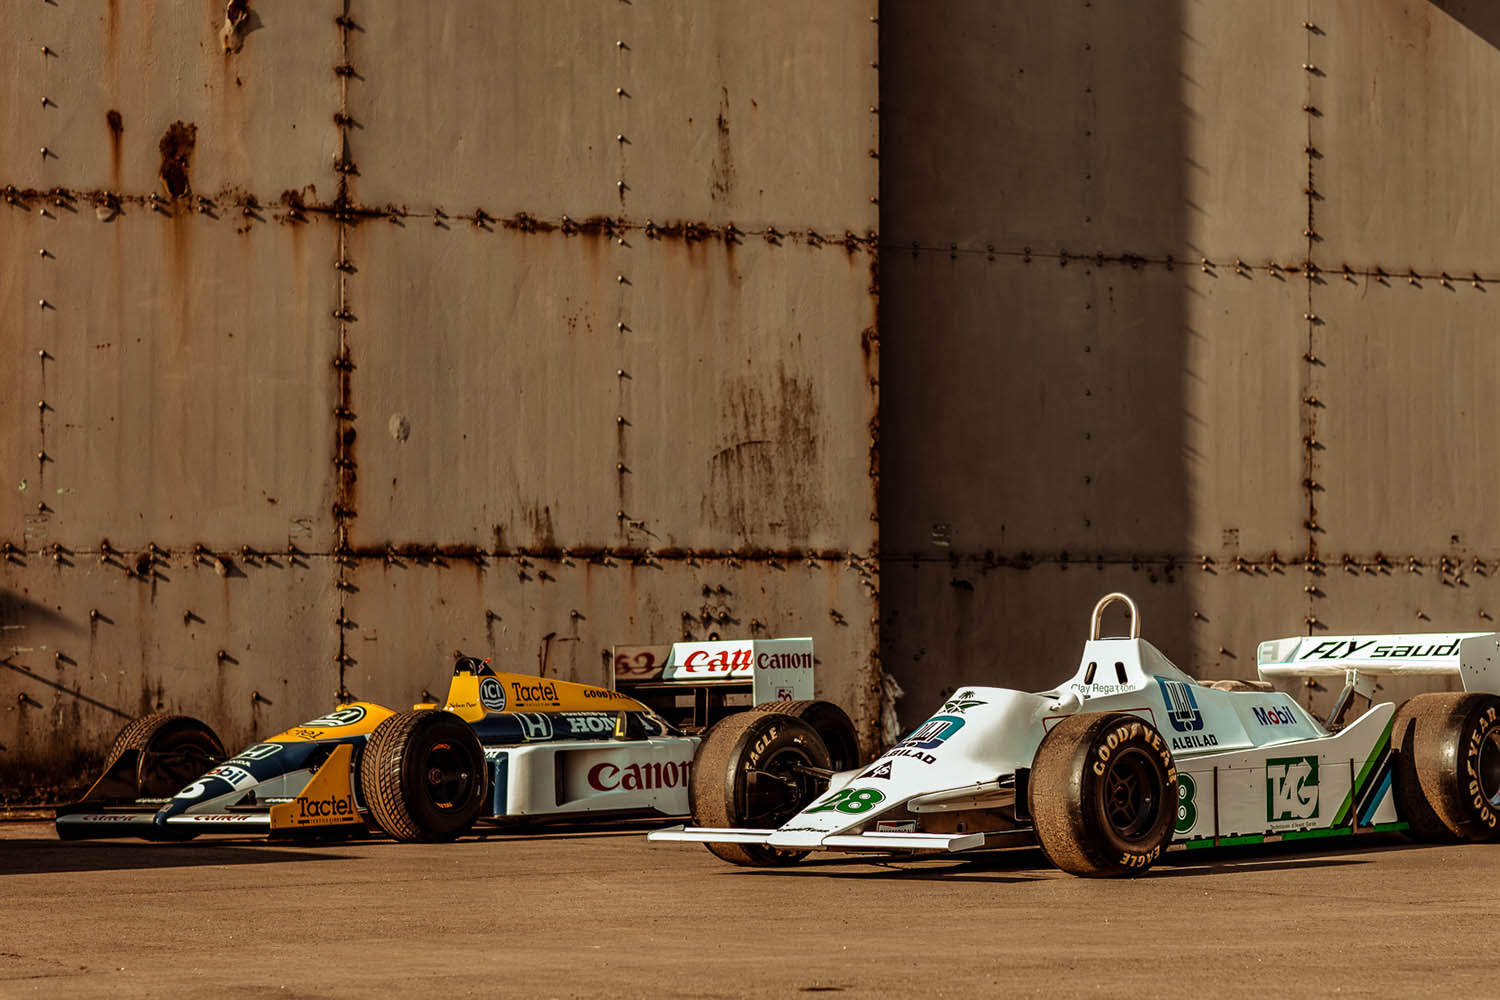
(745, 775)
(422, 775)
(1447, 765)
(1103, 794)
(830, 722)
(172, 751)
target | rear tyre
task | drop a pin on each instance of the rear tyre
(830, 722)
(1103, 795)
(744, 775)
(1447, 766)
(422, 775)
(171, 752)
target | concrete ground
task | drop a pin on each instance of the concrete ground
(596, 911)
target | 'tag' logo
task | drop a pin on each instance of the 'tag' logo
(1292, 788)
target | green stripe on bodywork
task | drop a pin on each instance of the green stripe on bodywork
(1253, 838)
(1340, 817)
(1325, 831)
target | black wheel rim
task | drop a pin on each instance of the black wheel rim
(1489, 766)
(447, 776)
(775, 792)
(1132, 792)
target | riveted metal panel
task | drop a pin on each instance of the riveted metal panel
(1243, 378)
(117, 76)
(1036, 407)
(514, 102)
(1233, 607)
(947, 624)
(87, 643)
(1096, 347)
(546, 390)
(1120, 127)
(559, 617)
(1406, 455)
(183, 360)
(988, 101)
(721, 101)
(673, 112)
(236, 302)
(1231, 112)
(1407, 135)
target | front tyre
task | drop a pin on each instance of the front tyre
(747, 775)
(422, 775)
(1103, 795)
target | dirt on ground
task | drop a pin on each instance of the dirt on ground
(594, 911)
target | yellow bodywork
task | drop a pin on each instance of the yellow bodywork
(473, 696)
(354, 719)
(328, 799)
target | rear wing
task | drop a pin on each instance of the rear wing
(1473, 657)
(694, 684)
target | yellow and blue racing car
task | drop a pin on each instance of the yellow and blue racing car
(503, 747)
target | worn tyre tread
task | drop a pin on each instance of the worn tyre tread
(1057, 788)
(1423, 823)
(706, 796)
(137, 733)
(711, 789)
(1054, 778)
(1427, 738)
(382, 777)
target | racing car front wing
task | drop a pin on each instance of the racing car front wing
(877, 841)
(73, 826)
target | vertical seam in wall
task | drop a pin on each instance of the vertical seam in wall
(343, 462)
(871, 343)
(1311, 362)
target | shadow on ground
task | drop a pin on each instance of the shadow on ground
(41, 857)
(1030, 864)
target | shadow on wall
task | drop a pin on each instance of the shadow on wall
(1480, 16)
(1032, 428)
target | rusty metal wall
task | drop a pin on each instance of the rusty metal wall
(339, 336)
(1192, 299)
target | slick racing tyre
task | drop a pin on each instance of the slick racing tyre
(172, 751)
(1447, 766)
(745, 775)
(830, 722)
(422, 775)
(1103, 794)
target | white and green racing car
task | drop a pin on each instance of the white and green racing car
(1128, 757)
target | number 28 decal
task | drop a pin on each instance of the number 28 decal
(851, 800)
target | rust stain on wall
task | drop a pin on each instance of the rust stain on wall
(116, 123)
(721, 181)
(176, 148)
(761, 476)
